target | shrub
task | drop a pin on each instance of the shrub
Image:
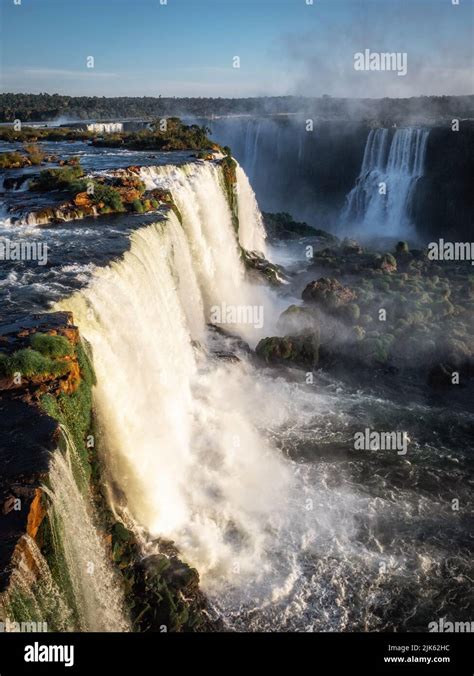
(138, 206)
(51, 346)
(35, 154)
(108, 196)
(57, 179)
(11, 160)
(350, 312)
(29, 363)
(402, 247)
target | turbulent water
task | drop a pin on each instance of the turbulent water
(396, 163)
(248, 470)
(252, 471)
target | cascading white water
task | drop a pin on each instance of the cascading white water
(252, 137)
(252, 233)
(181, 427)
(82, 594)
(97, 597)
(199, 194)
(190, 464)
(33, 595)
(398, 166)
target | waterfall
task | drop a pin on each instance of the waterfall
(78, 589)
(180, 427)
(97, 599)
(251, 229)
(191, 465)
(33, 595)
(252, 137)
(397, 166)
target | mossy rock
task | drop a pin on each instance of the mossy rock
(296, 320)
(51, 346)
(300, 350)
(30, 363)
(349, 312)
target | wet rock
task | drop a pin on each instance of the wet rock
(351, 246)
(263, 270)
(296, 320)
(388, 263)
(402, 247)
(299, 350)
(328, 292)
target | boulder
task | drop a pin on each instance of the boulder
(299, 350)
(296, 320)
(82, 199)
(329, 293)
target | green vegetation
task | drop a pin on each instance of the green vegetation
(229, 166)
(30, 363)
(51, 346)
(33, 134)
(74, 411)
(173, 136)
(63, 178)
(13, 160)
(138, 206)
(51, 106)
(106, 195)
(34, 152)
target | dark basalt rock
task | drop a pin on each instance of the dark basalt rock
(27, 437)
(27, 434)
(162, 592)
(262, 270)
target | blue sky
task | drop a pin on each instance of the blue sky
(186, 47)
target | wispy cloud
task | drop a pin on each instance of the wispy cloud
(56, 72)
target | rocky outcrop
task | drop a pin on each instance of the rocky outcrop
(37, 357)
(301, 350)
(329, 293)
(261, 270)
(393, 313)
(46, 387)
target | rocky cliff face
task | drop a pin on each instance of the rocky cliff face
(310, 173)
(28, 435)
(444, 201)
(46, 382)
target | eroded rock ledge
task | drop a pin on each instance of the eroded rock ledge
(46, 381)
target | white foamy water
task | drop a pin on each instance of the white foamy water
(242, 469)
(398, 165)
(184, 432)
(98, 599)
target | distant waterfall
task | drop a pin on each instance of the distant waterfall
(394, 166)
